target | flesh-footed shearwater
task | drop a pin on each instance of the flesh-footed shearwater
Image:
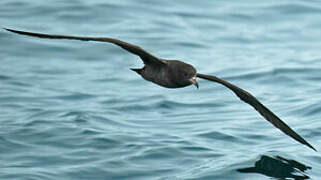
(177, 74)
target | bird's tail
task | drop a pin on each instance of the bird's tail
(139, 71)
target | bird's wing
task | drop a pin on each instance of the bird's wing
(144, 55)
(264, 111)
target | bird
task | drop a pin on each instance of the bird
(178, 74)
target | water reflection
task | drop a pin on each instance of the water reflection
(278, 167)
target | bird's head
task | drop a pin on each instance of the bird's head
(185, 74)
(189, 75)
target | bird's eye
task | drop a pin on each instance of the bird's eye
(185, 74)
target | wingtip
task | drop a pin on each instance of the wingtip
(310, 146)
(7, 29)
(313, 148)
(13, 31)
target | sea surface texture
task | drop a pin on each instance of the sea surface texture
(73, 110)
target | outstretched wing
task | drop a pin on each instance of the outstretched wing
(264, 111)
(144, 55)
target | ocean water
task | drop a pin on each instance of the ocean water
(74, 110)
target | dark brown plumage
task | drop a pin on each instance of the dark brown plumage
(177, 74)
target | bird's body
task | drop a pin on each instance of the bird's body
(172, 74)
(178, 74)
(159, 74)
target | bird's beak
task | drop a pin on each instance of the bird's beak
(193, 81)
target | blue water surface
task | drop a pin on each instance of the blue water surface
(74, 110)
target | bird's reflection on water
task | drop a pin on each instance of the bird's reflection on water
(278, 167)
